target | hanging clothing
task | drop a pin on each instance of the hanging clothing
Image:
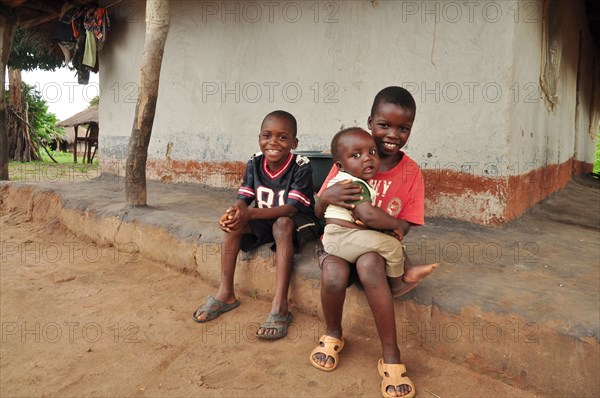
(62, 32)
(97, 21)
(90, 52)
(88, 27)
(67, 48)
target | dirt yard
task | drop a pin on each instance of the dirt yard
(83, 320)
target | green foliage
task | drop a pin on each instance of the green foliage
(94, 101)
(28, 52)
(43, 122)
(597, 157)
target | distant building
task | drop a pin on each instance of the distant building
(83, 129)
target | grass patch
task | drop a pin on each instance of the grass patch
(597, 156)
(63, 157)
(48, 171)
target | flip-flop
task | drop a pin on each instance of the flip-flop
(331, 348)
(276, 321)
(392, 376)
(405, 288)
(213, 308)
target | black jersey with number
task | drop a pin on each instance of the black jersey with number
(291, 184)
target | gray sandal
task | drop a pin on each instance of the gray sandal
(276, 321)
(213, 308)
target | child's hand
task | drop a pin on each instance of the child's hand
(225, 219)
(398, 234)
(228, 215)
(235, 217)
(341, 192)
(358, 222)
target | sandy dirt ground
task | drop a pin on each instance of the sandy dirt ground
(83, 320)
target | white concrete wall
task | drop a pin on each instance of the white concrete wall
(339, 59)
(120, 61)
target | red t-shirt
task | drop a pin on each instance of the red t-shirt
(400, 191)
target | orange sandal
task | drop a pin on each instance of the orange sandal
(330, 347)
(392, 376)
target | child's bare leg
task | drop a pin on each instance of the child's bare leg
(229, 252)
(413, 273)
(283, 229)
(371, 271)
(334, 280)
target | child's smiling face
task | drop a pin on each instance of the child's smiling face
(390, 126)
(276, 140)
(358, 155)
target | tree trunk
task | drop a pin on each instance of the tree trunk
(15, 104)
(21, 145)
(7, 33)
(17, 142)
(34, 145)
(157, 28)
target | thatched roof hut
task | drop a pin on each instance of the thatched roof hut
(87, 116)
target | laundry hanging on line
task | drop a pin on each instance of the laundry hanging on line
(83, 39)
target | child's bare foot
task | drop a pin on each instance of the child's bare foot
(413, 274)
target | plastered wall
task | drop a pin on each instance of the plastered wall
(481, 128)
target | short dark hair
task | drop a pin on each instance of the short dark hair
(335, 141)
(284, 115)
(394, 95)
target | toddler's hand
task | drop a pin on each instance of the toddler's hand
(358, 222)
(399, 234)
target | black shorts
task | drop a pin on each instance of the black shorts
(306, 228)
(322, 256)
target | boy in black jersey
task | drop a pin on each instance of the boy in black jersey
(280, 185)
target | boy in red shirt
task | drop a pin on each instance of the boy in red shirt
(400, 192)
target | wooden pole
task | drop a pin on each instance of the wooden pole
(157, 28)
(86, 144)
(75, 147)
(7, 33)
